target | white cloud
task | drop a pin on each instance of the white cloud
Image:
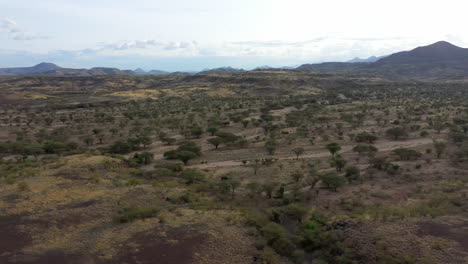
(14, 32)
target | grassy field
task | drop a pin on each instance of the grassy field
(267, 166)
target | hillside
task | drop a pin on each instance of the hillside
(440, 60)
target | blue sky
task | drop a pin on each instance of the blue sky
(193, 35)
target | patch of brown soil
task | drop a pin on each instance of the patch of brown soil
(59, 257)
(178, 246)
(457, 233)
(12, 240)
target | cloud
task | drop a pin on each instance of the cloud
(134, 44)
(14, 32)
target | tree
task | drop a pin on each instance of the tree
(271, 145)
(253, 188)
(370, 150)
(297, 176)
(88, 140)
(120, 147)
(352, 173)
(97, 131)
(227, 137)
(168, 140)
(406, 154)
(146, 141)
(333, 148)
(216, 141)
(337, 162)
(396, 132)
(186, 151)
(114, 131)
(365, 137)
(212, 130)
(230, 185)
(245, 123)
(438, 123)
(185, 156)
(144, 157)
(190, 146)
(439, 147)
(298, 151)
(332, 180)
(268, 188)
(196, 131)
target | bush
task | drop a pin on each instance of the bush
(192, 175)
(352, 173)
(365, 137)
(186, 151)
(332, 180)
(173, 166)
(396, 133)
(407, 154)
(133, 182)
(156, 173)
(278, 238)
(130, 214)
(365, 149)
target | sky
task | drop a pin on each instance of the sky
(191, 35)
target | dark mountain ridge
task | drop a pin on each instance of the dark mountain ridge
(441, 60)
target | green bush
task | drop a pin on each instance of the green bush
(129, 214)
(192, 175)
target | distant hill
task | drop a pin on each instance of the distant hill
(139, 71)
(222, 70)
(52, 69)
(370, 59)
(332, 67)
(38, 69)
(440, 60)
(157, 72)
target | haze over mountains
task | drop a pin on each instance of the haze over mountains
(440, 60)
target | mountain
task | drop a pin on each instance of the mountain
(157, 72)
(441, 60)
(52, 69)
(332, 67)
(38, 69)
(139, 71)
(221, 70)
(370, 59)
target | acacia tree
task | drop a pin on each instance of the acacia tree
(216, 141)
(332, 180)
(338, 162)
(439, 147)
(271, 145)
(333, 148)
(297, 176)
(396, 132)
(298, 151)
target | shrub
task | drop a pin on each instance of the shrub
(133, 182)
(352, 173)
(130, 214)
(332, 180)
(173, 166)
(365, 137)
(278, 238)
(396, 132)
(365, 149)
(407, 154)
(192, 175)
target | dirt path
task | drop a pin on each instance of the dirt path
(383, 146)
